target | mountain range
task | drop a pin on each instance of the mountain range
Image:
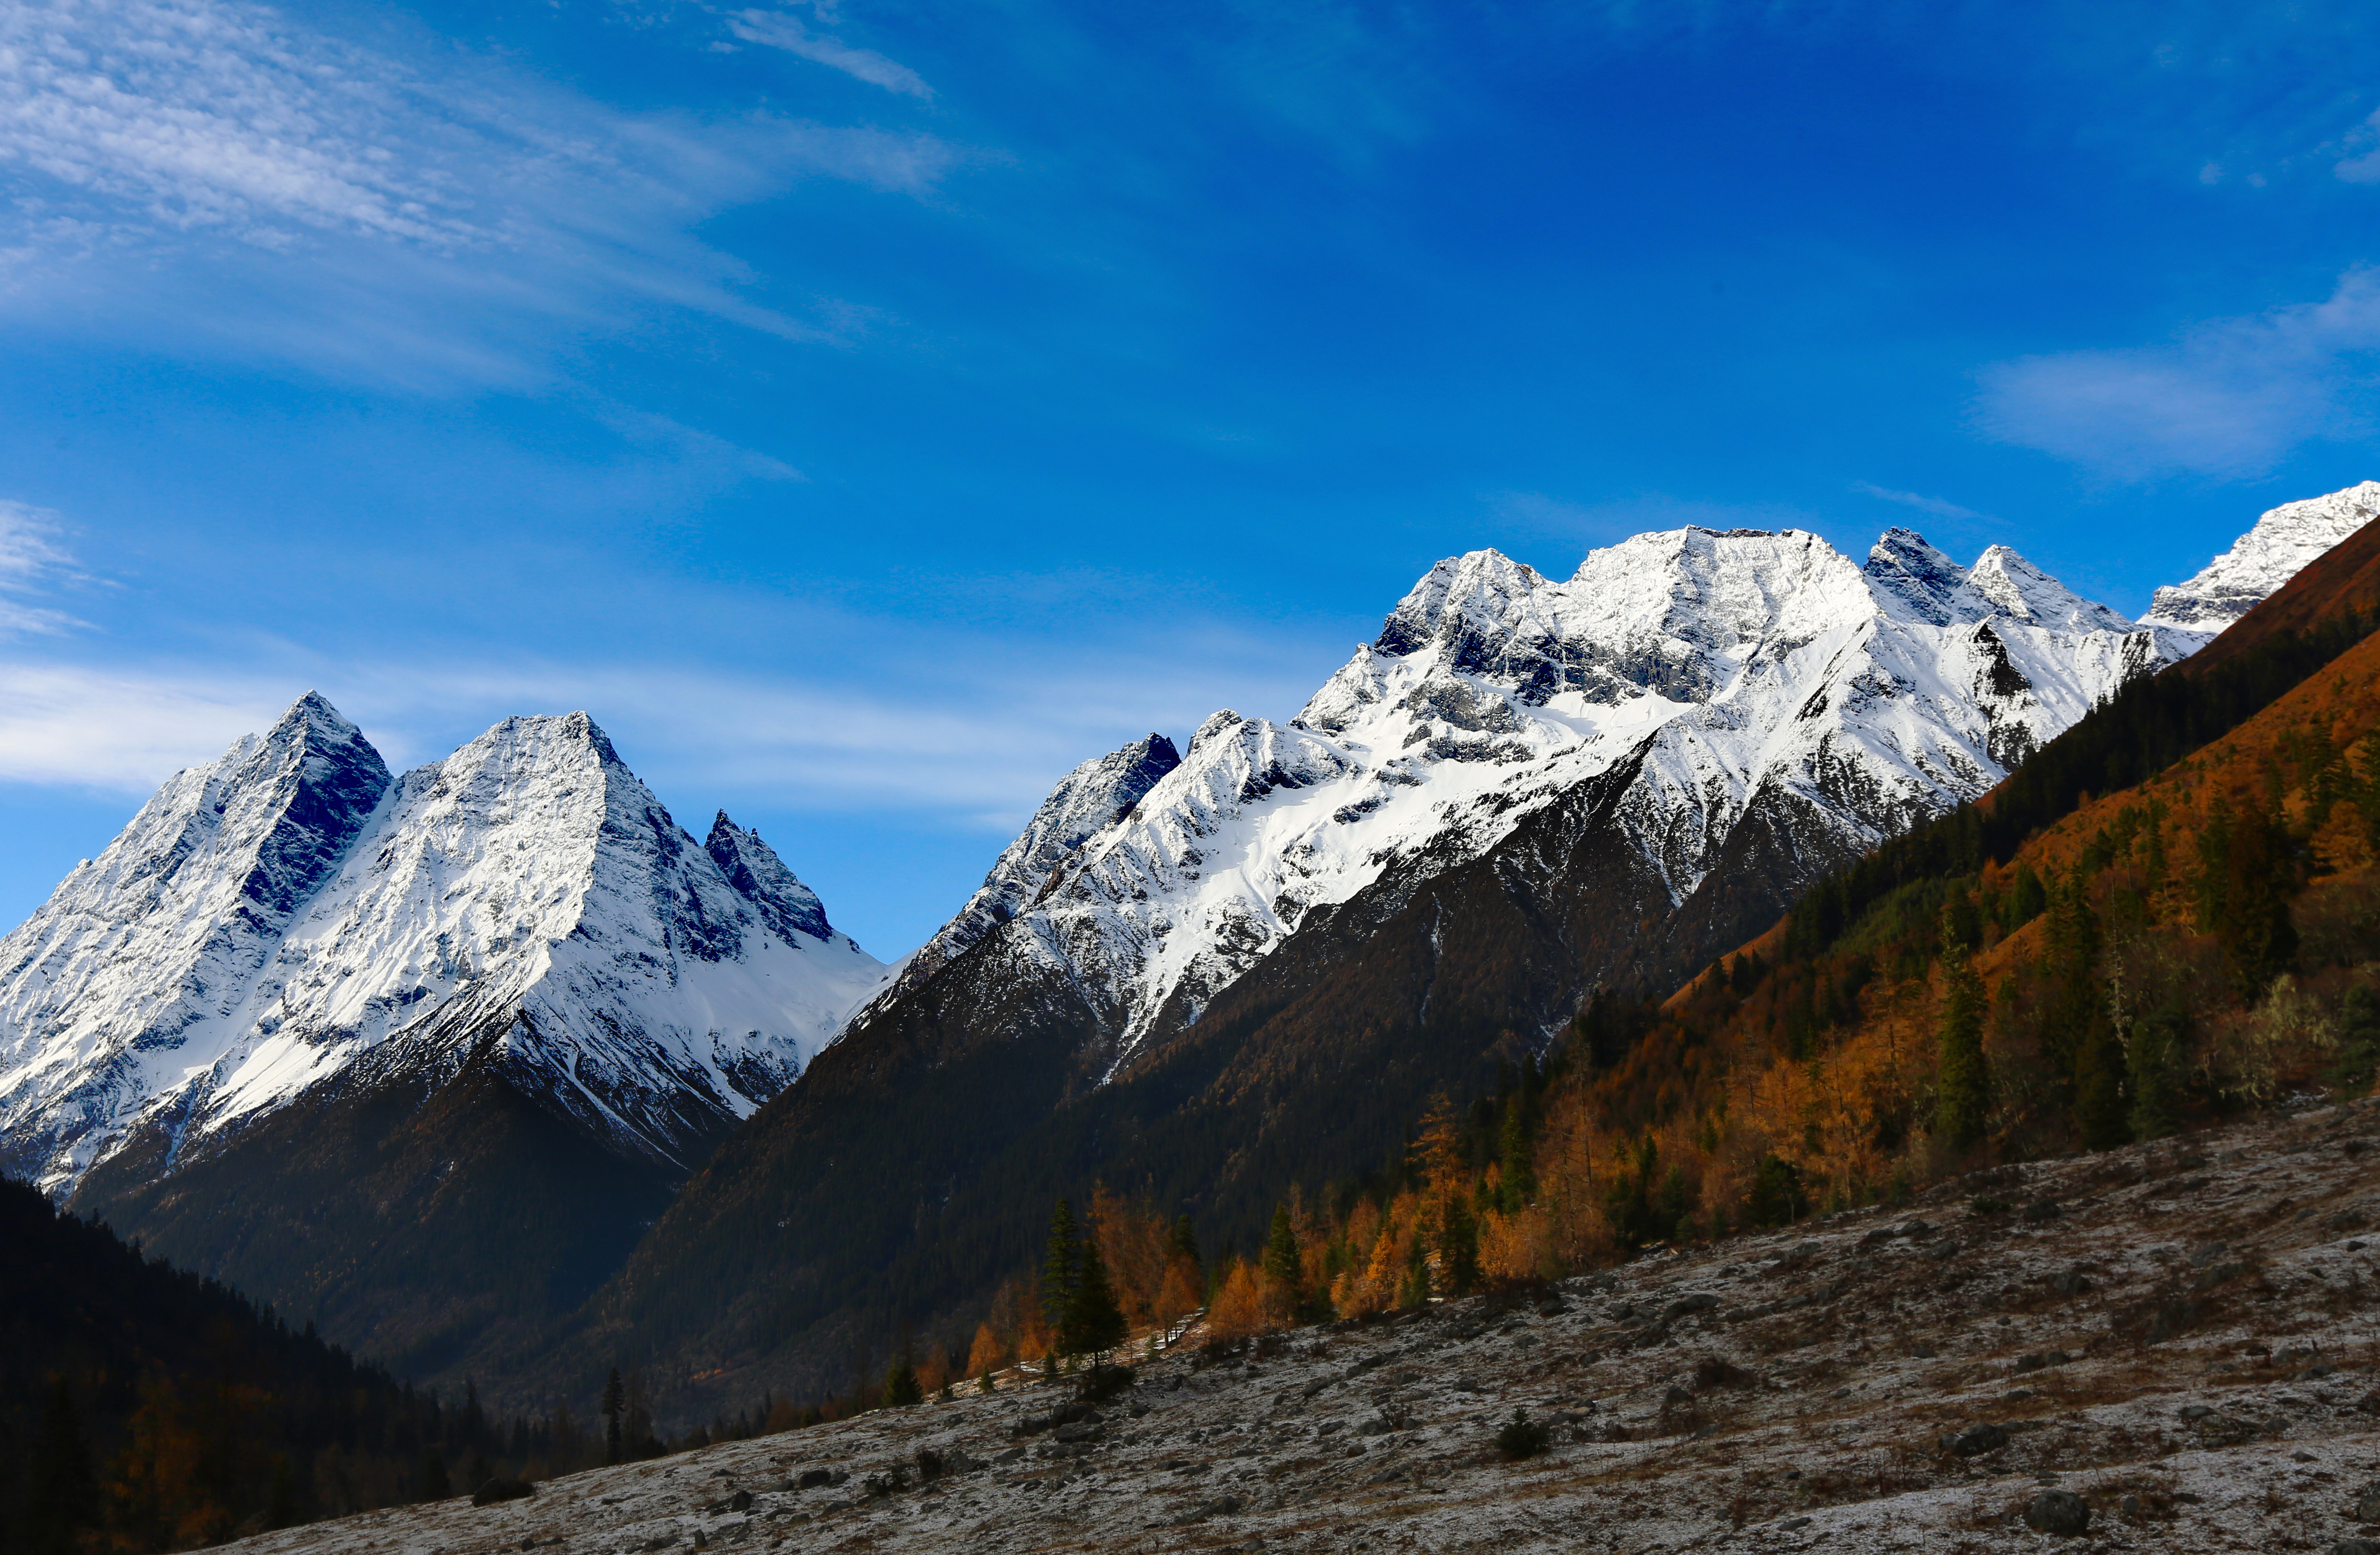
(422, 1056)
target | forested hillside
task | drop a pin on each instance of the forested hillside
(143, 1408)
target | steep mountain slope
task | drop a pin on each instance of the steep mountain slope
(2175, 1349)
(1522, 791)
(265, 1028)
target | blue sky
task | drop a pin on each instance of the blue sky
(868, 410)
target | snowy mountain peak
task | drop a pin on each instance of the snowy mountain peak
(1476, 588)
(753, 867)
(1087, 800)
(1915, 582)
(289, 916)
(2283, 540)
(1735, 678)
(2016, 588)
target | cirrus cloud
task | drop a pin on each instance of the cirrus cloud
(2229, 399)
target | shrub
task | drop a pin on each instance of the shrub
(1522, 1437)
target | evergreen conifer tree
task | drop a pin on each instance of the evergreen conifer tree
(1061, 1267)
(614, 1401)
(900, 1385)
(1520, 1170)
(1964, 1079)
(1094, 1323)
(435, 1486)
(1285, 1269)
(2259, 938)
(1186, 1240)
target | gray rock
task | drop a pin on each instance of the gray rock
(1702, 1301)
(2367, 1503)
(2355, 1546)
(1976, 1441)
(2041, 1360)
(2058, 1511)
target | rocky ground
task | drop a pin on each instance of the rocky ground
(2171, 1347)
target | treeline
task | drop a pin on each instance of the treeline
(2150, 724)
(143, 1408)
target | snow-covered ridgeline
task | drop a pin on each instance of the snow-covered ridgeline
(2280, 545)
(271, 919)
(1735, 661)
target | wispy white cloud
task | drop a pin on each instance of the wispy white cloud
(1939, 507)
(371, 217)
(2229, 399)
(32, 559)
(776, 30)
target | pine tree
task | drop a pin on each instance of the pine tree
(1519, 1185)
(901, 1386)
(435, 1486)
(1186, 1240)
(1094, 1323)
(1964, 1079)
(2157, 1057)
(614, 1401)
(2259, 939)
(1061, 1267)
(1284, 1271)
(2027, 897)
(2102, 1114)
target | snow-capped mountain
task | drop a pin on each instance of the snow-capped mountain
(1087, 801)
(291, 921)
(2280, 545)
(1725, 664)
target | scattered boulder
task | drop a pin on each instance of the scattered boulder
(2058, 1511)
(2367, 1503)
(500, 1490)
(740, 1502)
(2041, 1360)
(1976, 1441)
(2041, 1209)
(1701, 1301)
(2070, 1281)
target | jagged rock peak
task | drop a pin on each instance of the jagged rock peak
(2021, 589)
(1087, 801)
(1476, 586)
(753, 867)
(1915, 582)
(2283, 540)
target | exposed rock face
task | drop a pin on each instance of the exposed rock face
(2259, 562)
